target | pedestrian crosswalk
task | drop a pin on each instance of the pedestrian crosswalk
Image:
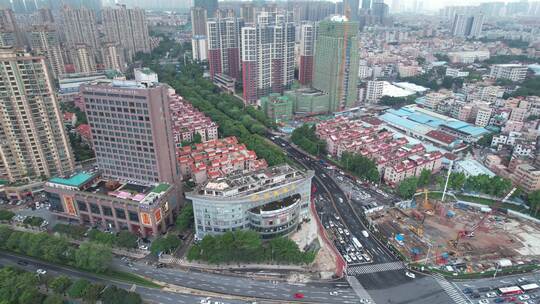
(372, 268)
(451, 290)
(170, 260)
(360, 290)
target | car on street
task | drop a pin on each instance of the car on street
(491, 294)
(298, 295)
(347, 233)
(333, 293)
(22, 263)
(524, 297)
(347, 258)
(143, 247)
(467, 290)
(484, 289)
(483, 301)
(160, 265)
(41, 271)
(410, 274)
(365, 233)
(499, 300)
(366, 257)
(365, 301)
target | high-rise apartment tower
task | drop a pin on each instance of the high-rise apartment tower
(33, 141)
(224, 46)
(267, 55)
(336, 61)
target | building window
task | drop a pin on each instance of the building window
(107, 211)
(94, 208)
(82, 206)
(133, 216)
(120, 213)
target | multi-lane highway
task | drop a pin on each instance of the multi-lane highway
(384, 279)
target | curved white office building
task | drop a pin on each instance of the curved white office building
(272, 201)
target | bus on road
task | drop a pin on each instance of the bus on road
(356, 243)
(508, 291)
(529, 287)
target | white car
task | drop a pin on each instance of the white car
(524, 297)
(353, 257)
(143, 247)
(333, 293)
(365, 233)
(491, 294)
(340, 231)
(41, 271)
(366, 257)
(365, 301)
(347, 233)
(483, 301)
(410, 274)
(347, 258)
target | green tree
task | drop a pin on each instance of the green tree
(360, 166)
(6, 215)
(197, 139)
(78, 288)
(126, 239)
(407, 187)
(92, 293)
(165, 244)
(424, 178)
(305, 138)
(485, 140)
(534, 201)
(101, 237)
(115, 295)
(73, 231)
(60, 284)
(185, 218)
(93, 257)
(456, 181)
(53, 299)
(33, 221)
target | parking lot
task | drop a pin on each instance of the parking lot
(522, 289)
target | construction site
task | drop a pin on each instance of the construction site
(458, 236)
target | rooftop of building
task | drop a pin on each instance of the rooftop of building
(75, 180)
(474, 168)
(420, 120)
(251, 182)
(217, 153)
(146, 71)
(93, 182)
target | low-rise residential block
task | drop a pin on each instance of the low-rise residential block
(217, 158)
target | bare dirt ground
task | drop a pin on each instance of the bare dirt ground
(497, 236)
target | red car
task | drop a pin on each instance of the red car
(298, 295)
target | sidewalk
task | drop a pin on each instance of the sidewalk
(168, 259)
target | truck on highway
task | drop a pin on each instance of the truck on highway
(356, 243)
